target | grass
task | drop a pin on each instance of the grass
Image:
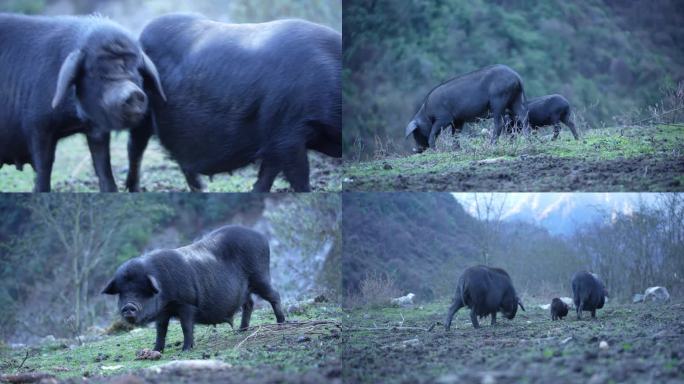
(263, 344)
(73, 171)
(598, 146)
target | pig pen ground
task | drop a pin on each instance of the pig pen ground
(305, 349)
(73, 171)
(636, 158)
(645, 344)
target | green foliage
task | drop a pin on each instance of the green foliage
(23, 6)
(587, 51)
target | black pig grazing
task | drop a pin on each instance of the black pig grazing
(548, 110)
(243, 93)
(558, 309)
(487, 92)
(65, 75)
(205, 282)
(589, 293)
(485, 291)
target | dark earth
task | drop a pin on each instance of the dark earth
(540, 174)
(645, 343)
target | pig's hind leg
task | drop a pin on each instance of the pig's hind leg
(247, 308)
(266, 292)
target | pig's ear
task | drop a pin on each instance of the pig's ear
(67, 75)
(111, 288)
(412, 126)
(154, 284)
(520, 304)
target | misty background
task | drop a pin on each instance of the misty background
(617, 62)
(134, 14)
(396, 243)
(58, 251)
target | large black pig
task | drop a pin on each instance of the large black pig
(589, 293)
(206, 282)
(64, 75)
(485, 291)
(488, 92)
(243, 93)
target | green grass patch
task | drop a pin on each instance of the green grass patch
(263, 344)
(73, 171)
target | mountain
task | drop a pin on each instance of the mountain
(563, 213)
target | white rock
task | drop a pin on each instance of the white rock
(568, 301)
(111, 367)
(656, 294)
(545, 306)
(186, 365)
(603, 344)
(637, 298)
(404, 300)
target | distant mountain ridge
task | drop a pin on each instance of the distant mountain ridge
(564, 213)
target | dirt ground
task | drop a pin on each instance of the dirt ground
(541, 173)
(644, 343)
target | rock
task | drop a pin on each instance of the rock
(603, 344)
(187, 365)
(568, 301)
(488, 378)
(147, 354)
(637, 298)
(29, 377)
(659, 294)
(545, 307)
(386, 166)
(303, 339)
(566, 340)
(404, 301)
(111, 367)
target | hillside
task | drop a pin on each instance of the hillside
(409, 236)
(610, 59)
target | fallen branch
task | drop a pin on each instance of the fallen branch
(245, 339)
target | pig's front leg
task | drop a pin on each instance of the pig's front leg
(162, 327)
(186, 315)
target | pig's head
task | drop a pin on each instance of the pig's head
(419, 127)
(509, 307)
(139, 292)
(108, 73)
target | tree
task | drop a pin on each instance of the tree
(87, 230)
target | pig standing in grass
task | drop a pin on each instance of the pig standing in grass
(485, 291)
(206, 282)
(588, 292)
(558, 309)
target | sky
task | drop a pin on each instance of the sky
(560, 213)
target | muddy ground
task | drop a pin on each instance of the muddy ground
(541, 174)
(645, 344)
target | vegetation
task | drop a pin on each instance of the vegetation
(309, 343)
(633, 158)
(610, 59)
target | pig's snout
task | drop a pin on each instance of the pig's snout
(129, 312)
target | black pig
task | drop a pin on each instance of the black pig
(205, 282)
(487, 92)
(485, 291)
(589, 293)
(558, 309)
(240, 94)
(65, 75)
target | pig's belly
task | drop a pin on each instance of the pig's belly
(217, 313)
